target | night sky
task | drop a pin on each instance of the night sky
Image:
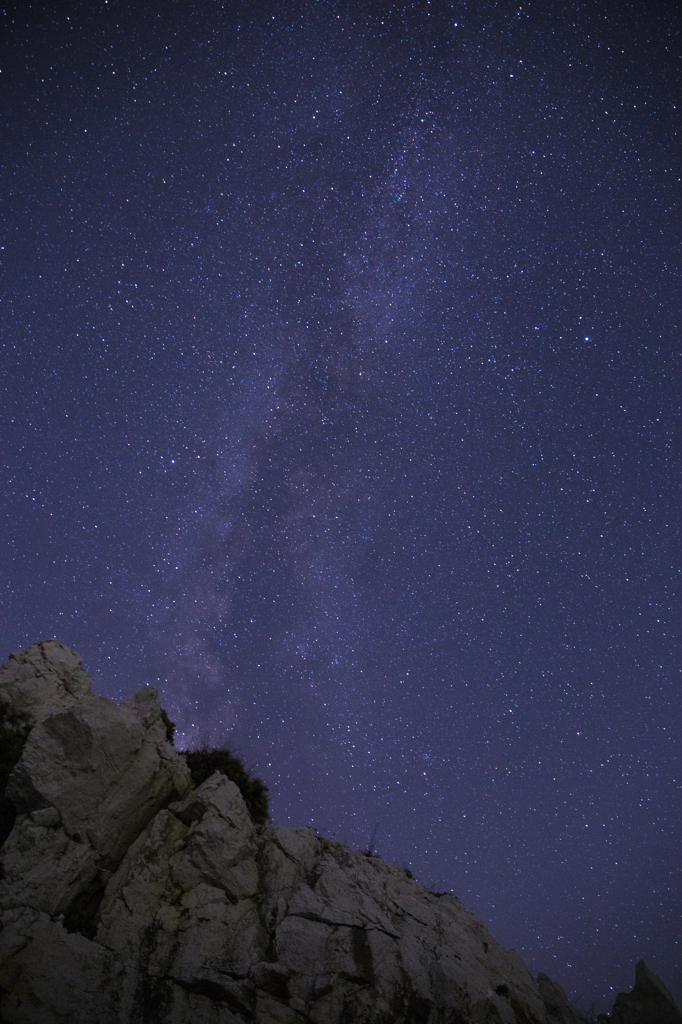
(340, 401)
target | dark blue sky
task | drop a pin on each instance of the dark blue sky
(341, 402)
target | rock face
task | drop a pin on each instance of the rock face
(557, 1006)
(648, 1003)
(127, 897)
(90, 778)
(44, 680)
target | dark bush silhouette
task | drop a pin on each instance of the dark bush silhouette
(202, 763)
(369, 852)
(170, 726)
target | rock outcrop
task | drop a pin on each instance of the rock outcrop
(128, 897)
(91, 776)
(42, 681)
(648, 1003)
(557, 1006)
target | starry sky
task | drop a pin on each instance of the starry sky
(340, 402)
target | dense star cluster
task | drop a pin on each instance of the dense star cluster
(341, 403)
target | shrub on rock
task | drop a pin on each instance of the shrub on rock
(204, 762)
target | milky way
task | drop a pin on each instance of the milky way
(340, 359)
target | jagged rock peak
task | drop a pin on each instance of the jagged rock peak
(43, 680)
(650, 1002)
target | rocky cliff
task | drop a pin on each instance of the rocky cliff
(129, 897)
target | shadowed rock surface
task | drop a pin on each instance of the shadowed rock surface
(648, 1003)
(127, 897)
(557, 1006)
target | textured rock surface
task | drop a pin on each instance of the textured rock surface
(128, 898)
(648, 1003)
(46, 678)
(91, 776)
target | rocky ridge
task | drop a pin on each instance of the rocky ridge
(128, 897)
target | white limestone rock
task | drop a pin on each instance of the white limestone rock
(90, 777)
(327, 937)
(129, 899)
(220, 846)
(43, 868)
(43, 680)
(106, 768)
